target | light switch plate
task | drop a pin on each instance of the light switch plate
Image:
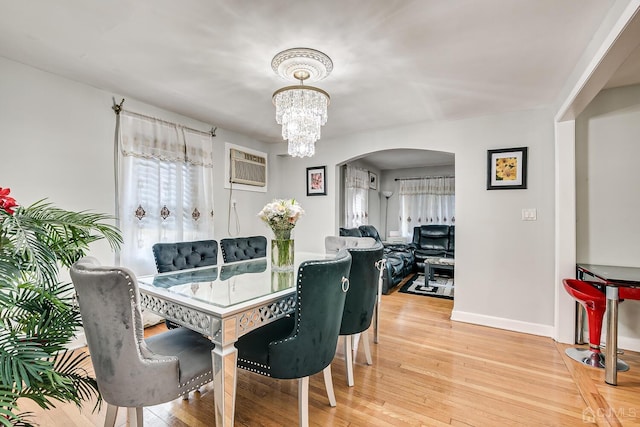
(529, 214)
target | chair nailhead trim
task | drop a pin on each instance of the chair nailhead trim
(257, 371)
(132, 296)
(192, 388)
(299, 311)
(195, 379)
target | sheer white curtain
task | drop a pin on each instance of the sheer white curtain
(356, 197)
(165, 187)
(426, 201)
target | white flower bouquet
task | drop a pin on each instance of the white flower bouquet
(281, 215)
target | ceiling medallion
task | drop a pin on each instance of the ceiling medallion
(300, 109)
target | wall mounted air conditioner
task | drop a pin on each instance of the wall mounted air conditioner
(247, 168)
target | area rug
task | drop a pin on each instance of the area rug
(441, 287)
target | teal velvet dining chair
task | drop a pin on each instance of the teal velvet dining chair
(305, 342)
(360, 303)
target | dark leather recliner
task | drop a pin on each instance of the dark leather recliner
(243, 248)
(433, 241)
(399, 258)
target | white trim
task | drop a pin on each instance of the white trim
(502, 323)
(621, 40)
(565, 236)
(629, 344)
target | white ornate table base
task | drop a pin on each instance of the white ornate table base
(224, 332)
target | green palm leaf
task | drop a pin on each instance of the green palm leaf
(38, 316)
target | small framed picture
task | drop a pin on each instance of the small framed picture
(316, 181)
(373, 181)
(507, 169)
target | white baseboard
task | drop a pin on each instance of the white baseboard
(501, 323)
(626, 343)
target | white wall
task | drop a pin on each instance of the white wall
(607, 179)
(57, 143)
(607, 183)
(504, 266)
(609, 47)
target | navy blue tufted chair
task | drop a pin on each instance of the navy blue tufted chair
(183, 255)
(243, 248)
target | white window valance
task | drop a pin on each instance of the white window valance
(439, 186)
(356, 178)
(168, 142)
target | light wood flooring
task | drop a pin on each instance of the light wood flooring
(427, 371)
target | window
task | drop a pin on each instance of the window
(165, 187)
(423, 201)
(356, 198)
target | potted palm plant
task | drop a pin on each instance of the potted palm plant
(38, 316)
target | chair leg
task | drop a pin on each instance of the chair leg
(376, 314)
(367, 348)
(110, 418)
(328, 385)
(139, 417)
(355, 340)
(134, 416)
(303, 402)
(348, 360)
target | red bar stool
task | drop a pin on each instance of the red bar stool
(625, 292)
(595, 303)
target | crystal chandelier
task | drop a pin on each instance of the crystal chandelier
(301, 109)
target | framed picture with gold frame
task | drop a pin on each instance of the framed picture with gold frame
(507, 169)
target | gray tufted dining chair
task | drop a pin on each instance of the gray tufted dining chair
(133, 371)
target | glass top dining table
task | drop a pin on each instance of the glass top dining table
(224, 302)
(612, 277)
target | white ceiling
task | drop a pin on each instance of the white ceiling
(395, 61)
